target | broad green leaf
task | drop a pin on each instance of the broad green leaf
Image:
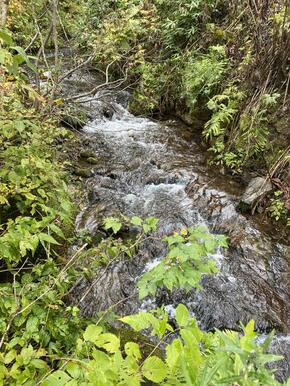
(113, 223)
(38, 364)
(92, 333)
(173, 351)
(58, 378)
(45, 237)
(182, 315)
(109, 342)
(136, 221)
(10, 356)
(132, 349)
(6, 38)
(154, 369)
(74, 370)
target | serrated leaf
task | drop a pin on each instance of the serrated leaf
(109, 342)
(45, 237)
(113, 223)
(58, 378)
(92, 333)
(154, 369)
(132, 349)
(182, 315)
(74, 370)
(136, 221)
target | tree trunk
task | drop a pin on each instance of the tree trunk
(3, 12)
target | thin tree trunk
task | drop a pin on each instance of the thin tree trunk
(54, 30)
(3, 12)
(54, 20)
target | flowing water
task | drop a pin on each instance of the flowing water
(148, 168)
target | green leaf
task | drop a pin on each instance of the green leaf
(182, 315)
(113, 223)
(58, 378)
(173, 352)
(109, 342)
(45, 237)
(154, 369)
(74, 370)
(92, 333)
(136, 220)
(38, 364)
(32, 324)
(10, 356)
(56, 230)
(132, 349)
(6, 38)
(3, 55)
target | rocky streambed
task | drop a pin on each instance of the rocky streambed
(147, 168)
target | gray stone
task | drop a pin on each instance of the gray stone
(257, 187)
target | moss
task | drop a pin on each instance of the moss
(83, 172)
(145, 344)
(85, 154)
(93, 160)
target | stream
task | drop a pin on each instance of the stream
(149, 168)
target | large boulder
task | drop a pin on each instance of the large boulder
(257, 188)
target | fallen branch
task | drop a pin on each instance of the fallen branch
(95, 89)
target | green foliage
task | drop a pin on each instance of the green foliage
(277, 207)
(50, 344)
(224, 108)
(46, 342)
(234, 147)
(154, 79)
(181, 20)
(200, 358)
(34, 198)
(21, 19)
(113, 223)
(11, 56)
(203, 74)
(253, 125)
(147, 225)
(35, 324)
(186, 262)
(156, 320)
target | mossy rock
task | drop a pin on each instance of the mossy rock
(93, 160)
(75, 119)
(83, 172)
(145, 344)
(86, 154)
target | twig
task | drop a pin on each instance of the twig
(76, 68)
(107, 83)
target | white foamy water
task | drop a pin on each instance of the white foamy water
(152, 264)
(120, 124)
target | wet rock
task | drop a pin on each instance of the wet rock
(123, 98)
(257, 187)
(280, 345)
(108, 112)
